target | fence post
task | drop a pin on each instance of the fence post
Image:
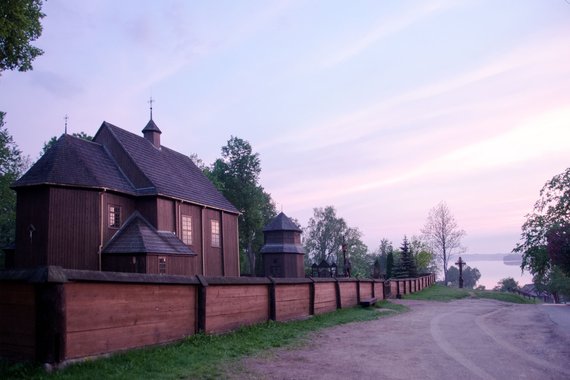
(272, 300)
(50, 323)
(337, 292)
(358, 291)
(311, 296)
(202, 291)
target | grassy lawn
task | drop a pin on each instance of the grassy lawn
(444, 293)
(438, 293)
(200, 356)
(501, 296)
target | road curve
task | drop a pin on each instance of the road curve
(465, 339)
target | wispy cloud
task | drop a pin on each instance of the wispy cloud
(386, 26)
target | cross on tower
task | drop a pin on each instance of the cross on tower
(150, 102)
(460, 263)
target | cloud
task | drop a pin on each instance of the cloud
(56, 84)
(385, 28)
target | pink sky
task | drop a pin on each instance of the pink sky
(381, 109)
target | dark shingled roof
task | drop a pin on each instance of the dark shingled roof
(76, 162)
(281, 223)
(138, 236)
(172, 174)
(151, 127)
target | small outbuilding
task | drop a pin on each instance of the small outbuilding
(282, 251)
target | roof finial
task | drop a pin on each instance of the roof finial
(150, 102)
(66, 118)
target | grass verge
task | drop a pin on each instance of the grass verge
(200, 356)
(438, 293)
(443, 293)
(502, 296)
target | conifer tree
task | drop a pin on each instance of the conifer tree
(406, 266)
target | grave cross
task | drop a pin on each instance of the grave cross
(460, 263)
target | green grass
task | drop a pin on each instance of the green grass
(438, 293)
(501, 296)
(444, 293)
(200, 356)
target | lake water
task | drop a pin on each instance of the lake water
(493, 269)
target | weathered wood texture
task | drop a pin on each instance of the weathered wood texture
(32, 209)
(394, 287)
(175, 264)
(230, 244)
(231, 306)
(348, 294)
(365, 289)
(103, 312)
(378, 290)
(213, 255)
(292, 301)
(17, 321)
(325, 297)
(195, 213)
(104, 318)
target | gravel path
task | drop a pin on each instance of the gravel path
(466, 339)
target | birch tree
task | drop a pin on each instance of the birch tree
(443, 235)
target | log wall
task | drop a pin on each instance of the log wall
(53, 315)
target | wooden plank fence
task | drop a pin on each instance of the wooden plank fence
(53, 315)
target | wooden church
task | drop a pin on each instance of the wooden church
(123, 202)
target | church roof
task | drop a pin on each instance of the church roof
(76, 162)
(281, 223)
(151, 127)
(137, 235)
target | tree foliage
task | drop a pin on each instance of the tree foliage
(236, 175)
(425, 260)
(381, 257)
(12, 165)
(19, 26)
(545, 241)
(443, 235)
(324, 236)
(48, 144)
(507, 285)
(406, 265)
(470, 276)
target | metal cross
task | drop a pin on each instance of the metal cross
(150, 102)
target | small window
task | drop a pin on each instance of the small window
(162, 265)
(187, 229)
(215, 233)
(114, 216)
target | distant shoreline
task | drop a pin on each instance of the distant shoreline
(506, 258)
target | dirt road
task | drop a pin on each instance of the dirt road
(466, 339)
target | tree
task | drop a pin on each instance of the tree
(236, 175)
(48, 144)
(384, 249)
(406, 266)
(507, 285)
(470, 276)
(390, 265)
(325, 235)
(19, 26)
(443, 235)
(544, 238)
(12, 165)
(425, 260)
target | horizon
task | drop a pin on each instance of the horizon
(381, 110)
